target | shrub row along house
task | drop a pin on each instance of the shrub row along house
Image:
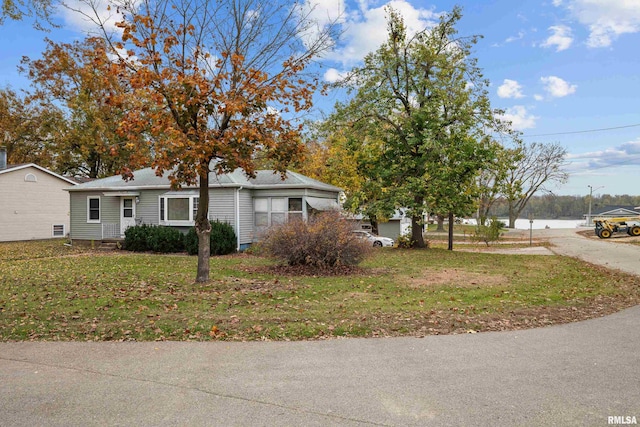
(104, 208)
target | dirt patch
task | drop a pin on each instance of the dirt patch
(615, 237)
(457, 278)
(472, 320)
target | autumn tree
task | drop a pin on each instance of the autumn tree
(223, 81)
(539, 165)
(344, 154)
(427, 98)
(79, 79)
(29, 131)
(40, 11)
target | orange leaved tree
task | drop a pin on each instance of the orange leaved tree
(215, 84)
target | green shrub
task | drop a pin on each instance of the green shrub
(325, 241)
(165, 239)
(405, 241)
(191, 242)
(135, 238)
(488, 233)
(222, 239)
(141, 238)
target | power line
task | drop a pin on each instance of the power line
(582, 131)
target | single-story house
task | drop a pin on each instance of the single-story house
(34, 204)
(615, 212)
(104, 208)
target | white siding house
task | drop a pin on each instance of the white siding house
(33, 203)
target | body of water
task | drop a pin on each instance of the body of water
(538, 224)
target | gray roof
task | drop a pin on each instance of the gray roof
(265, 179)
(16, 167)
(618, 211)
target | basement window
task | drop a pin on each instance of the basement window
(58, 230)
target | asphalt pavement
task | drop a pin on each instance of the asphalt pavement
(577, 374)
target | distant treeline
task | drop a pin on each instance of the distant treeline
(565, 207)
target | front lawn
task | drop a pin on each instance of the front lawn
(49, 291)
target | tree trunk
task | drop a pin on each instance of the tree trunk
(373, 220)
(416, 232)
(451, 221)
(512, 217)
(440, 220)
(203, 229)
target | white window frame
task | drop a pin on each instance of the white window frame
(289, 211)
(177, 223)
(283, 212)
(269, 212)
(94, 221)
(53, 230)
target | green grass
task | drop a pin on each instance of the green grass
(53, 292)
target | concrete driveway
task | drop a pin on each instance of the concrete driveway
(575, 374)
(611, 253)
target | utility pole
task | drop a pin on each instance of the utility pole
(590, 198)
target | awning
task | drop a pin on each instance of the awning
(322, 204)
(185, 193)
(121, 193)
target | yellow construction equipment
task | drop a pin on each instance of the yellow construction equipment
(605, 227)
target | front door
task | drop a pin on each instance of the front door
(127, 213)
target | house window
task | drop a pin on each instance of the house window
(58, 230)
(93, 209)
(295, 209)
(196, 203)
(30, 178)
(127, 208)
(178, 210)
(276, 210)
(261, 209)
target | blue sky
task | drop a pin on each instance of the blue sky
(560, 68)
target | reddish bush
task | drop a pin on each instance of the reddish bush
(325, 240)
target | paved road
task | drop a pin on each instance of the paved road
(568, 375)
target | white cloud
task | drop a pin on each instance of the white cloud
(514, 38)
(320, 13)
(510, 89)
(556, 87)
(561, 38)
(606, 19)
(84, 16)
(538, 97)
(520, 118)
(627, 154)
(511, 39)
(365, 29)
(332, 75)
(324, 12)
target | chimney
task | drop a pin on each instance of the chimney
(3, 158)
